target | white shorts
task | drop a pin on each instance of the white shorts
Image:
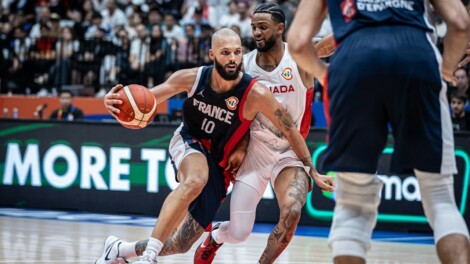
(179, 148)
(264, 163)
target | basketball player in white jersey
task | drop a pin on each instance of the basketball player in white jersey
(269, 156)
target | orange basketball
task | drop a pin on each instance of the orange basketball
(138, 107)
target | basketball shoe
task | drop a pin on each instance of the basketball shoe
(111, 252)
(148, 257)
(205, 253)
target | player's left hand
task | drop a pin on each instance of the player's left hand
(326, 183)
(235, 160)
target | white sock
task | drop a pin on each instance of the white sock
(154, 245)
(216, 234)
(127, 250)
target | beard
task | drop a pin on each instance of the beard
(268, 44)
(228, 76)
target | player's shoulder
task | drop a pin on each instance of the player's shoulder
(258, 91)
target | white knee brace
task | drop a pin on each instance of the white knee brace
(437, 194)
(357, 199)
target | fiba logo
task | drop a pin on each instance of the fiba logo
(287, 74)
(232, 102)
(348, 10)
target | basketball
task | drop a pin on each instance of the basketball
(139, 106)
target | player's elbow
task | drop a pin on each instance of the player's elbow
(460, 24)
(297, 42)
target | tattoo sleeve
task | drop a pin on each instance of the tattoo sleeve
(284, 118)
(183, 238)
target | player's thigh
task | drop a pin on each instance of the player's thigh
(291, 187)
(194, 167)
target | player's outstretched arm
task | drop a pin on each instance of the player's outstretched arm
(457, 20)
(180, 81)
(307, 22)
(261, 100)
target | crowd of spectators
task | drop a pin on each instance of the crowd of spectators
(46, 45)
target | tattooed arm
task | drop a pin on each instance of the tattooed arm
(260, 99)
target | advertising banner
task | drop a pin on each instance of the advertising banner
(106, 168)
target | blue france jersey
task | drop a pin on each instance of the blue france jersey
(348, 16)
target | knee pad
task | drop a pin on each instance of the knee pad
(437, 194)
(357, 198)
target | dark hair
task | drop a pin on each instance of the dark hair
(66, 92)
(273, 9)
(460, 96)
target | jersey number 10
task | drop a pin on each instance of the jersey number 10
(208, 126)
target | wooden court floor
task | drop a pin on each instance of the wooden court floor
(49, 241)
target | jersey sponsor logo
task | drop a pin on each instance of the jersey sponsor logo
(214, 111)
(287, 74)
(232, 102)
(348, 10)
(281, 89)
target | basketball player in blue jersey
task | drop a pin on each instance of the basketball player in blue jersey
(222, 102)
(386, 70)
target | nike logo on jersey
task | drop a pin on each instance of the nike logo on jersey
(281, 89)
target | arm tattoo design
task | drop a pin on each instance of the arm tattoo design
(284, 118)
(140, 247)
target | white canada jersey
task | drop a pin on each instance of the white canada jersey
(287, 87)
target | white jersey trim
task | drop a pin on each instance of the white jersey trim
(196, 82)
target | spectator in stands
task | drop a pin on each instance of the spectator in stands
(54, 29)
(6, 56)
(100, 4)
(122, 67)
(44, 16)
(66, 48)
(21, 66)
(137, 6)
(156, 64)
(207, 12)
(25, 11)
(66, 111)
(244, 19)
(139, 53)
(90, 58)
(198, 21)
(43, 56)
(461, 76)
(230, 18)
(154, 18)
(114, 16)
(97, 22)
(187, 54)
(204, 44)
(460, 118)
(171, 30)
(83, 19)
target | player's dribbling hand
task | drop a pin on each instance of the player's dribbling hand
(326, 183)
(111, 99)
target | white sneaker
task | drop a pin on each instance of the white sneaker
(148, 257)
(111, 252)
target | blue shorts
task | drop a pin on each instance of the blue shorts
(388, 76)
(204, 208)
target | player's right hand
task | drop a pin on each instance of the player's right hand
(466, 60)
(111, 99)
(326, 183)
